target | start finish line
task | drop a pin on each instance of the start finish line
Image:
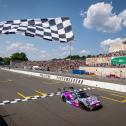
(36, 97)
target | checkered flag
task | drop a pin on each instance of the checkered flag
(53, 29)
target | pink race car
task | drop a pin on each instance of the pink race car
(79, 98)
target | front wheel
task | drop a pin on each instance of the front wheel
(90, 108)
(81, 105)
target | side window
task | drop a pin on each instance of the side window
(74, 96)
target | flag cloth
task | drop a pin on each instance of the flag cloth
(53, 29)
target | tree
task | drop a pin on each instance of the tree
(6, 60)
(76, 57)
(89, 56)
(73, 57)
(19, 56)
(1, 59)
(83, 58)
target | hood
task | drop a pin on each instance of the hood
(90, 100)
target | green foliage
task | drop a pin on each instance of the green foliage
(83, 58)
(89, 56)
(15, 56)
(76, 57)
(1, 59)
(6, 60)
(19, 56)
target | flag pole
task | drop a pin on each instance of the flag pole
(70, 59)
(70, 50)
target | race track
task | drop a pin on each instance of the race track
(51, 111)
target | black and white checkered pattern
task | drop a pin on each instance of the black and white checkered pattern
(29, 98)
(37, 97)
(53, 29)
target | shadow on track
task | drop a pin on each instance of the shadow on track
(2, 121)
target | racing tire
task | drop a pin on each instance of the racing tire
(81, 105)
(63, 99)
(90, 108)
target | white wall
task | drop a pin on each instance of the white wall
(103, 71)
(105, 85)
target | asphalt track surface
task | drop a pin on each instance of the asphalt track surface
(51, 111)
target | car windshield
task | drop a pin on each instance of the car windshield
(83, 95)
(74, 95)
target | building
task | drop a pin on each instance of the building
(113, 47)
(98, 61)
(115, 50)
(115, 57)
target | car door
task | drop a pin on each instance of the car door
(74, 101)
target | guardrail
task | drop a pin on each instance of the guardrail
(74, 80)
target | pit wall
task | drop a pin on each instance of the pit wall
(105, 85)
(102, 71)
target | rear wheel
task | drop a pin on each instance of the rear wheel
(64, 99)
(81, 105)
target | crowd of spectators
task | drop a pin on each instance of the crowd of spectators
(112, 54)
(53, 66)
(101, 58)
(65, 65)
(106, 65)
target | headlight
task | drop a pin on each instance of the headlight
(88, 102)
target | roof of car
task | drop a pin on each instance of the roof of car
(79, 92)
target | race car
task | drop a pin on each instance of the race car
(80, 98)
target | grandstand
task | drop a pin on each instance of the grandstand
(104, 59)
(61, 65)
(111, 64)
(102, 65)
(115, 50)
(115, 47)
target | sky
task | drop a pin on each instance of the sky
(95, 24)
